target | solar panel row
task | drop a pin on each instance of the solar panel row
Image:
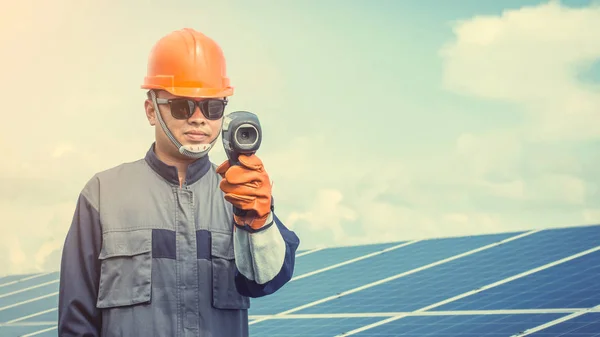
(536, 283)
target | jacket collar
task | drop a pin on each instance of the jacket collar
(195, 170)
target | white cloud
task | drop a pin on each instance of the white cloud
(16, 255)
(514, 189)
(348, 202)
(527, 57)
(47, 251)
(325, 216)
(591, 215)
(531, 56)
(62, 149)
(31, 233)
(39, 193)
(495, 152)
(564, 189)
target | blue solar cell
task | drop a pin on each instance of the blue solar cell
(28, 283)
(49, 332)
(459, 326)
(453, 278)
(24, 309)
(19, 330)
(353, 275)
(27, 294)
(51, 316)
(12, 278)
(587, 325)
(316, 327)
(573, 284)
(330, 256)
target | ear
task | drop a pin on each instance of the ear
(150, 112)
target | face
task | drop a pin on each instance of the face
(195, 130)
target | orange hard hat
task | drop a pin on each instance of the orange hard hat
(188, 63)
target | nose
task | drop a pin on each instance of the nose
(197, 116)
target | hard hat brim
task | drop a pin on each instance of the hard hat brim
(193, 92)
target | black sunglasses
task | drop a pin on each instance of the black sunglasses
(183, 108)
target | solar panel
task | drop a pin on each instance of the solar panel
(571, 284)
(335, 255)
(536, 283)
(358, 274)
(12, 278)
(456, 277)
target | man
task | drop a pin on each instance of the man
(154, 248)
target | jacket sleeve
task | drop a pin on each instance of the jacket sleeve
(79, 272)
(265, 259)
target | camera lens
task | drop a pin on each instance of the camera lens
(246, 136)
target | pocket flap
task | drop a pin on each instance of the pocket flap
(126, 243)
(222, 245)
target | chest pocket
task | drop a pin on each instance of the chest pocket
(126, 268)
(225, 295)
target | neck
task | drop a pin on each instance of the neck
(176, 160)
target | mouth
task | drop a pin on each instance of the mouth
(196, 136)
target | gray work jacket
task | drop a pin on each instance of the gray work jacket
(147, 257)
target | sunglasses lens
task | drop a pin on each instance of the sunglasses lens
(180, 109)
(213, 108)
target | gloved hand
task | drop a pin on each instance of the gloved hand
(247, 186)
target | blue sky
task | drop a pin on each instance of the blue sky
(384, 121)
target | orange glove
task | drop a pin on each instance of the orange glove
(247, 187)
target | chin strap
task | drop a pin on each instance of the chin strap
(192, 151)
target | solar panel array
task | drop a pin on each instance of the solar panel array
(534, 283)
